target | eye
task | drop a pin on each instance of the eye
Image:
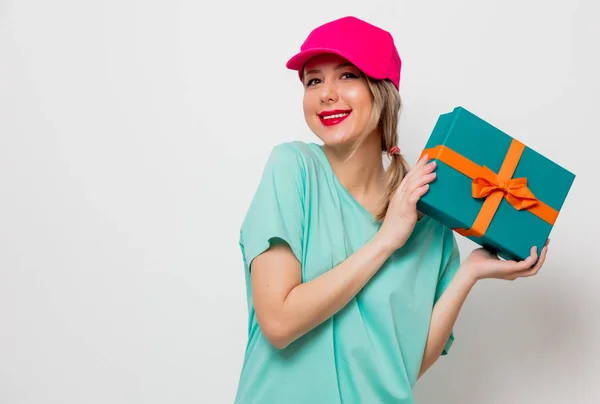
(349, 75)
(312, 82)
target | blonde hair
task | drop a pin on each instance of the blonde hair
(385, 115)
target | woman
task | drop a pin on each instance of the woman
(352, 295)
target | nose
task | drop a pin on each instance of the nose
(329, 94)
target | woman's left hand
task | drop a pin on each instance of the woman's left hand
(483, 264)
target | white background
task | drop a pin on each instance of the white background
(133, 135)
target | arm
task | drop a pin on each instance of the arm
(287, 309)
(443, 318)
(480, 264)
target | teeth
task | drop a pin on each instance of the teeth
(336, 116)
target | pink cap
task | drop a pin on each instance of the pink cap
(369, 48)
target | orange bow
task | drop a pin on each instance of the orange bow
(494, 187)
(514, 190)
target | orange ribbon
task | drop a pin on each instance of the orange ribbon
(494, 187)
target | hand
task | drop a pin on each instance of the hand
(483, 264)
(401, 215)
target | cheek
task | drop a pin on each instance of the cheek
(310, 105)
(360, 101)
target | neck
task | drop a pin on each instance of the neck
(361, 173)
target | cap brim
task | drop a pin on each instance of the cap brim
(298, 61)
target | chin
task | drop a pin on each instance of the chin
(336, 136)
(337, 139)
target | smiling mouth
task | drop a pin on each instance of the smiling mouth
(329, 118)
(335, 116)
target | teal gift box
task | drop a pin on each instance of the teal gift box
(490, 187)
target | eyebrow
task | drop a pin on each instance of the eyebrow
(340, 66)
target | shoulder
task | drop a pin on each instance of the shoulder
(292, 158)
(288, 168)
(294, 149)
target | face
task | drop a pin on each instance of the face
(337, 101)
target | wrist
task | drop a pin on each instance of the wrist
(468, 273)
(384, 244)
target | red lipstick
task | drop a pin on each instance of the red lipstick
(333, 117)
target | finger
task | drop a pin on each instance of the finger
(422, 163)
(416, 179)
(530, 261)
(417, 194)
(513, 267)
(403, 183)
(400, 189)
(542, 258)
(426, 169)
(533, 271)
(425, 179)
(429, 168)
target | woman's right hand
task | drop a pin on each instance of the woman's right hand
(401, 216)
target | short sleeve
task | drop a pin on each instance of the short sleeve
(451, 255)
(276, 212)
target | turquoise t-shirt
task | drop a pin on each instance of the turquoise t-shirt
(370, 351)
